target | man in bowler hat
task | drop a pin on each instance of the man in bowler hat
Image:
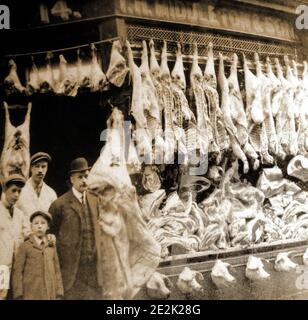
(73, 223)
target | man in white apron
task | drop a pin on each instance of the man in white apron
(37, 195)
(13, 228)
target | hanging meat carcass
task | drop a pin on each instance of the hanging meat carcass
(98, 78)
(151, 107)
(156, 78)
(117, 69)
(269, 137)
(215, 114)
(47, 84)
(11, 82)
(285, 118)
(168, 105)
(303, 112)
(293, 109)
(238, 113)
(227, 115)
(255, 114)
(67, 82)
(138, 107)
(185, 131)
(33, 84)
(128, 255)
(276, 102)
(15, 157)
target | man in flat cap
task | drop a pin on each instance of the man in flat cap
(14, 227)
(73, 225)
(37, 195)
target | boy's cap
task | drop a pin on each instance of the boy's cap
(44, 214)
(39, 156)
(14, 178)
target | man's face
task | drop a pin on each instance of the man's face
(39, 226)
(39, 170)
(79, 180)
(12, 194)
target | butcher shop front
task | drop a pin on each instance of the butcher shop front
(205, 105)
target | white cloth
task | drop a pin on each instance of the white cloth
(29, 202)
(80, 196)
(13, 230)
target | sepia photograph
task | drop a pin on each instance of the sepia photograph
(154, 151)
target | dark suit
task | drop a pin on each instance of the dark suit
(67, 226)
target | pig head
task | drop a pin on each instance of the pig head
(283, 263)
(255, 269)
(158, 287)
(188, 282)
(221, 275)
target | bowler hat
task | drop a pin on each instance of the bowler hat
(39, 156)
(79, 165)
(44, 214)
(14, 178)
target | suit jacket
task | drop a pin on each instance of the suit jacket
(36, 272)
(66, 225)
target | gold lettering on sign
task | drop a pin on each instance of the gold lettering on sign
(192, 12)
(269, 25)
(141, 8)
(223, 17)
(245, 23)
(180, 10)
(212, 16)
(162, 9)
(171, 10)
(234, 19)
(122, 6)
(203, 14)
(257, 24)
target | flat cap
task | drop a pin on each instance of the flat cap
(39, 156)
(14, 178)
(41, 213)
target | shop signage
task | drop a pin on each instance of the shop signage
(206, 14)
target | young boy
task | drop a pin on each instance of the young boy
(36, 271)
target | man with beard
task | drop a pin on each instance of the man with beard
(73, 223)
(37, 195)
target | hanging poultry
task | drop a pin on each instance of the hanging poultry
(33, 84)
(67, 82)
(117, 69)
(98, 78)
(47, 84)
(15, 157)
(11, 82)
(83, 75)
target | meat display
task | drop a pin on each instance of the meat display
(221, 276)
(129, 254)
(15, 157)
(11, 82)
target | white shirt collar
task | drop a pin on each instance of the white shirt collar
(78, 195)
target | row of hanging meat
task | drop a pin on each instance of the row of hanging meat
(266, 121)
(69, 79)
